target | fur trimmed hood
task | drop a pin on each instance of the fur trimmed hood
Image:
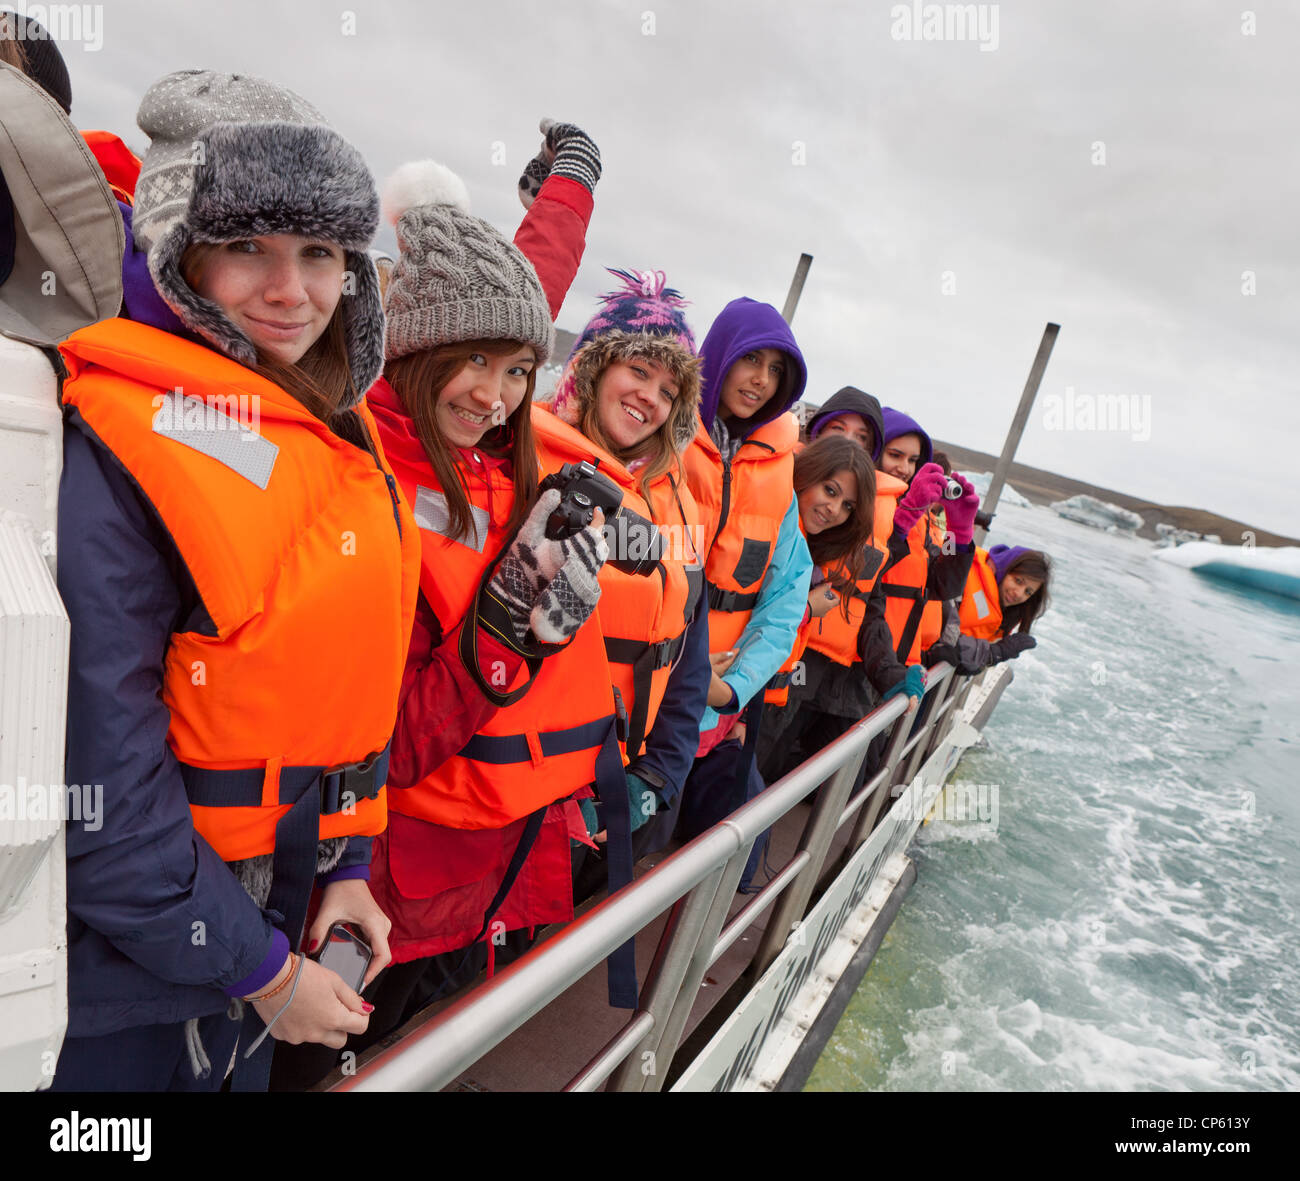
(233, 157)
(576, 391)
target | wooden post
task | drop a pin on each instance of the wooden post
(796, 287)
(1036, 372)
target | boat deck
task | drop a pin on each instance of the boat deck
(550, 1049)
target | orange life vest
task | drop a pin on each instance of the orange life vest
(120, 165)
(777, 691)
(643, 618)
(932, 613)
(542, 747)
(914, 622)
(743, 504)
(981, 603)
(305, 559)
(833, 635)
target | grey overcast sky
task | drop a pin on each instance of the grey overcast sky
(1128, 170)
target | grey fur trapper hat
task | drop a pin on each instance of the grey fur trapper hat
(234, 157)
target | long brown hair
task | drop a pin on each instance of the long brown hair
(419, 379)
(662, 450)
(321, 379)
(1020, 617)
(662, 455)
(11, 48)
(839, 550)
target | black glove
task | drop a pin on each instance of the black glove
(937, 652)
(566, 151)
(1009, 647)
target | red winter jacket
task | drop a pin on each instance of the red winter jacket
(553, 236)
(436, 883)
(441, 706)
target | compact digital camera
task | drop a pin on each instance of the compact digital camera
(635, 545)
(952, 490)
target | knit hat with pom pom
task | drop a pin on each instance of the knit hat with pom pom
(456, 277)
(643, 317)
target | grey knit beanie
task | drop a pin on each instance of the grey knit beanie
(235, 157)
(456, 278)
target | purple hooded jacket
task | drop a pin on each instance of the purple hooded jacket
(897, 423)
(741, 327)
(1001, 557)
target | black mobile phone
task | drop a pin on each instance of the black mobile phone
(346, 953)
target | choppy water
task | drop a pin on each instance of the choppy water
(1130, 924)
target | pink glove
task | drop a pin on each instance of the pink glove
(927, 488)
(960, 514)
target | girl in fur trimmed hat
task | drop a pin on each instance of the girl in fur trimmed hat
(223, 510)
(627, 402)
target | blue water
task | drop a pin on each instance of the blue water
(1128, 921)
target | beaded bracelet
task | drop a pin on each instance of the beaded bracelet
(277, 988)
(297, 975)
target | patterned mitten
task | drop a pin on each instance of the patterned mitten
(549, 586)
(566, 151)
(570, 597)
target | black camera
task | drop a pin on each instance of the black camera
(635, 545)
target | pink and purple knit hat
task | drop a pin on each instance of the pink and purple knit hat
(643, 307)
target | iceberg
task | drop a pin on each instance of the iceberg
(982, 480)
(1262, 567)
(1171, 535)
(1088, 510)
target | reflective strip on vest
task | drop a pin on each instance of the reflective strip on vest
(980, 609)
(206, 428)
(430, 511)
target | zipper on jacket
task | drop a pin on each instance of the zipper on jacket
(392, 495)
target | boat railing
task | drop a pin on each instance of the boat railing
(698, 882)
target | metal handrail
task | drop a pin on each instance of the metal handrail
(434, 1055)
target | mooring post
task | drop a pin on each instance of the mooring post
(796, 287)
(1039, 367)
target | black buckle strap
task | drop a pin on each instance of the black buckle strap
(241, 787)
(646, 660)
(720, 600)
(662, 653)
(910, 628)
(347, 785)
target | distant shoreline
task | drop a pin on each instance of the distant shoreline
(1042, 487)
